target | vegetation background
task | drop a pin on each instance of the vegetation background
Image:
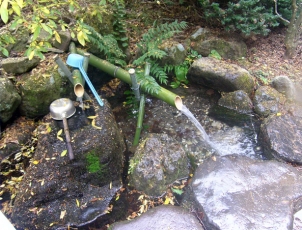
(120, 29)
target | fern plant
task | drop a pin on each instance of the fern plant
(119, 25)
(150, 52)
(107, 45)
(180, 71)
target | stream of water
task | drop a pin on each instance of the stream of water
(206, 137)
(192, 118)
(219, 146)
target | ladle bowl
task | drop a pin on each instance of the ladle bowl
(76, 61)
(61, 109)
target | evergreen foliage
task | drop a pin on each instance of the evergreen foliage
(119, 24)
(106, 45)
(246, 16)
(150, 52)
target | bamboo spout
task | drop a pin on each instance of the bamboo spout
(163, 94)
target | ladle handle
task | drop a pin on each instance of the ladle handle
(91, 86)
(66, 131)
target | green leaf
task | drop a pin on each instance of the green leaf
(177, 191)
(57, 37)
(31, 55)
(80, 37)
(175, 85)
(16, 8)
(37, 32)
(102, 3)
(4, 52)
(46, 28)
(4, 11)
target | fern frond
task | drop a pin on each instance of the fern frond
(149, 84)
(105, 44)
(155, 36)
(158, 72)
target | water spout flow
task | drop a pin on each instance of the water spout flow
(191, 117)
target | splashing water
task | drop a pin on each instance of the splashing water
(206, 137)
(191, 117)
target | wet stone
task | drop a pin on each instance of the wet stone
(238, 101)
(56, 192)
(281, 138)
(162, 217)
(267, 101)
(157, 162)
(237, 192)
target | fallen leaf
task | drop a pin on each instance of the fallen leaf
(63, 153)
(78, 202)
(35, 162)
(58, 135)
(59, 132)
(93, 125)
(91, 117)
(62, 214)
(48, 129)
(167, 201)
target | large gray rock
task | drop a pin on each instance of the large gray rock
(158, 161)
(203, 41)
(19, 65)
(40, 88)
(281, 137)
(56, 192)
(9, 99)
(267, 101)
(220, 75)
(237, 192)
(162, 217)
(285, 86)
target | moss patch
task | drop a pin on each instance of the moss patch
(93, 163)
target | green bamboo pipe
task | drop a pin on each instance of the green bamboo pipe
(139, 124)
(163, 94)
(77, 79)
(78, 87)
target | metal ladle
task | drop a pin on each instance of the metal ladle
(76, 61)
(61, 109)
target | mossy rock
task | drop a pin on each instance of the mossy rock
(9, 99)
(40, 88)
(221, 75)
